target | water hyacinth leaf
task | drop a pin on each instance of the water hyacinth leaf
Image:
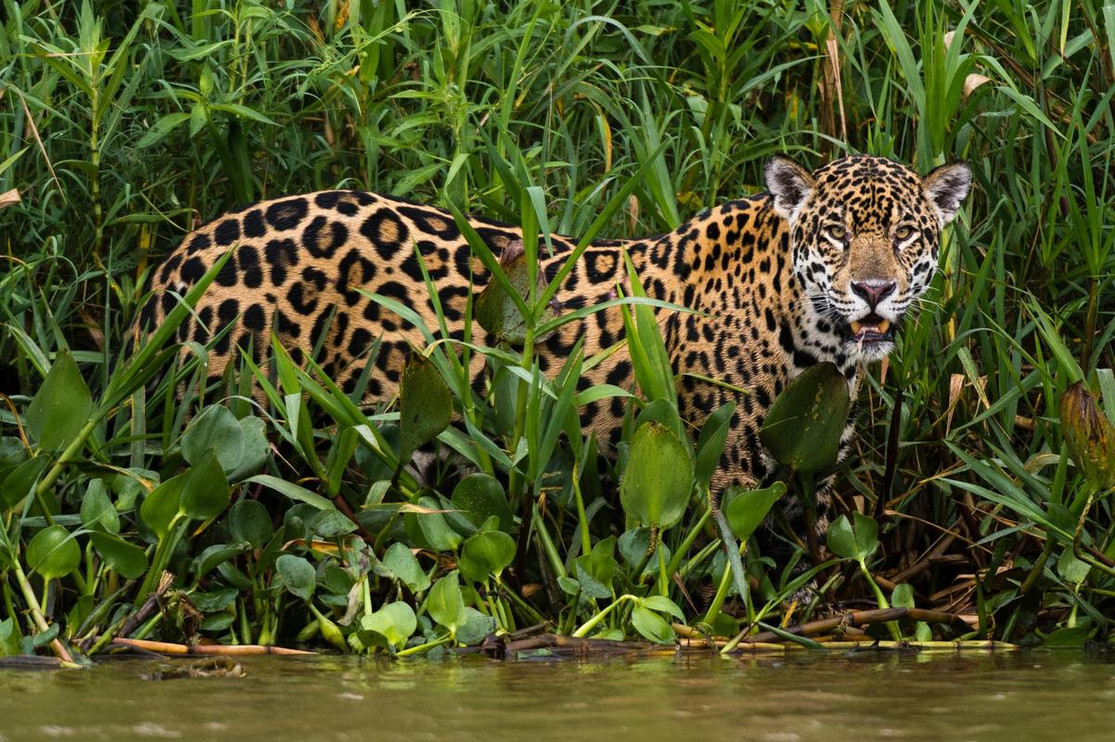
(746, 509)
(496, 310)
(651, 626)
(662, 604)
(445, 603)
(1089, 436)
(162, 506)
(9, 638)
(402, 563)
(241, 445)
(435, 528)
(710, 443)
(12, 454)
(216, 555)
(658, 478)
(486, 553)
(298, 575)
(19, 481)
(205, 493)
(480, 496)
(849, 542)
(395, 622)
(97, 511)
(249, 521)
(61, 406)
(52, 553)
(126, 559)
(475, 627)
(425, 405)
(805, 423)
(588, 584)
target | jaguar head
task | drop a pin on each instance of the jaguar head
(865, 234)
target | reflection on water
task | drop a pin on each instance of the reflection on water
(981, 697)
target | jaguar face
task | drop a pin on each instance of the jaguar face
(865, 234)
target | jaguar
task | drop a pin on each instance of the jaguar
(822, 266)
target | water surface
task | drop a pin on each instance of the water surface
(983, 697)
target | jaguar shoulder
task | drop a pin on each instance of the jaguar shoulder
(822, 267)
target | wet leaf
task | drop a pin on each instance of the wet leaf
(853, 543)
(162, 506)
(475, 627)
(710, 443)
(434, 527)
(805, 423)
(52, 553)
(61, 406)
(658, 478)
(425, 405)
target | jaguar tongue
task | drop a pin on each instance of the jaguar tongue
(860, 329)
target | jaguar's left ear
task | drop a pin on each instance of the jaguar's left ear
(946, 187)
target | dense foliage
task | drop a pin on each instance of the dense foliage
(123, 125)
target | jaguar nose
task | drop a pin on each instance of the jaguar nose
(873, 292)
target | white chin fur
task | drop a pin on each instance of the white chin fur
(870, 351)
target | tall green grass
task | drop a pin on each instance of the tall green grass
(122, 126)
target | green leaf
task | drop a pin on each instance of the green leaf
(400, 560)
(249, 521)
(475, 627)
(162, 506)
(662, 604)
(497, 311)
(853, 543)
(9, 638)
(20, 480)
(480, 496)
(292, 491)
(205, 493)
(395, 622)
(746, 509)
(652, 626)
(298, 575)
(241, 445)
(486, 553)
(710, 443)
(805, 423)
(127, 559)
(216, 555)
(434, 526)
(53, 553)
(425, 405)
(658, 478)
(61, 406)
(97, 511)
(445, 604)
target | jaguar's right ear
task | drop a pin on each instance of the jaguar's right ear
(789, 183)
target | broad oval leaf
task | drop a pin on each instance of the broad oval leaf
(486, 553)
(658, 478)
(162, 506)
(53, 553)
(205, 493)
(746, 509)
(241, 445)
(400, 560)
(651, 625)
(395, 622)
(480, 496)
(97, 511)
(497, 311)
(445, 604)
(61, 406)
(249, 521)
(298, 575)
(425, 405)
(802, 430)
(126, 559)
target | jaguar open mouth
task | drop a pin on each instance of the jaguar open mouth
(871, 329)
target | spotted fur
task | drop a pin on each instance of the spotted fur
(779, 279)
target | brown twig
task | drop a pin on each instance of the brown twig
(220, 650)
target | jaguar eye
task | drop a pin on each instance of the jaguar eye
(837, 232)
(904, 233)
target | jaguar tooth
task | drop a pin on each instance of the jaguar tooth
(856, 327)
(884, 326)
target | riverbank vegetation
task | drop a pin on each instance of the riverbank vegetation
(980, 483)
